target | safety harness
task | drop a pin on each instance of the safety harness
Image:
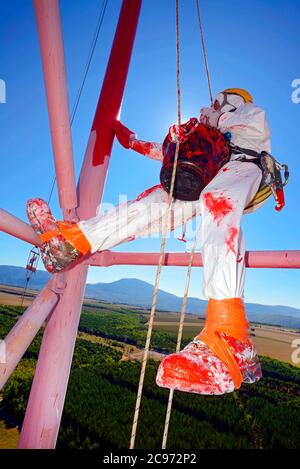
(271, 182)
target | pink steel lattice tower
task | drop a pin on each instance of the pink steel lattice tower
(45, 405)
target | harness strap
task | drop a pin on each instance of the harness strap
(247, 151)
(225, 316)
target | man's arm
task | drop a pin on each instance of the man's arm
(150, 149)
(128, 139)
(247, 116)
(248, 122)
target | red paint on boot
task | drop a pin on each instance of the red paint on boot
(185, 372)
(218, 205)
(197, 370)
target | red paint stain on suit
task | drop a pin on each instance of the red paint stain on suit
(218, 205)
(147, 192)
(231, 239)
(142, 147)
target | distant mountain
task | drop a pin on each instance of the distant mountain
(12, 275)
(139, 293)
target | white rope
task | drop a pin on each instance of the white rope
(162, 251)
(189, 271)
(179, 338)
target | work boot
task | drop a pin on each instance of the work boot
(219, 359)
(63, 242)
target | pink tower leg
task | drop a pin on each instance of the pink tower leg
(24, 331)
(43, 414)
(51, 44)
(45, 405)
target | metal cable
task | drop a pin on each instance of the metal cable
(87, 67)
(204, 52)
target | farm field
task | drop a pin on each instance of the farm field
(8, 436)
(271, 341)
(102, 389)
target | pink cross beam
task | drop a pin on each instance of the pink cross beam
(18, 228)
(254, 259)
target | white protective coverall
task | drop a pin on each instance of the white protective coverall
(221, 206)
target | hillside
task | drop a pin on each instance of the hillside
(139, 293)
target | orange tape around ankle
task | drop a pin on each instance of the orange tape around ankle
(48, 235)
(72, 233)
(225, 316)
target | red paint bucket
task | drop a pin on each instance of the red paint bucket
(200, 158)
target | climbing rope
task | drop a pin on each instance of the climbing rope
(189, 271)
(204, 51)
(162, 251)
(179, 337)
(74, 111)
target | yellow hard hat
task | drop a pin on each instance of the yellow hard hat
(240, 92)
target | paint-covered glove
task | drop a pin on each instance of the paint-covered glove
(124, 135)
(209, 116)
(177, 133)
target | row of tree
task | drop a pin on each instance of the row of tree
(101, 397)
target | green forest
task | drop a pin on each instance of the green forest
(102, 391)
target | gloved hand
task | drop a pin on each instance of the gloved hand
(209, 116)
(123, 134)
(177, 133)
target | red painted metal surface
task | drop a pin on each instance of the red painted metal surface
(45, 405)
(18, 228)
(102, 134)
(253, 259)
(52, 50)
(118, 64)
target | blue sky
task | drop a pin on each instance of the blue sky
(254, 45)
